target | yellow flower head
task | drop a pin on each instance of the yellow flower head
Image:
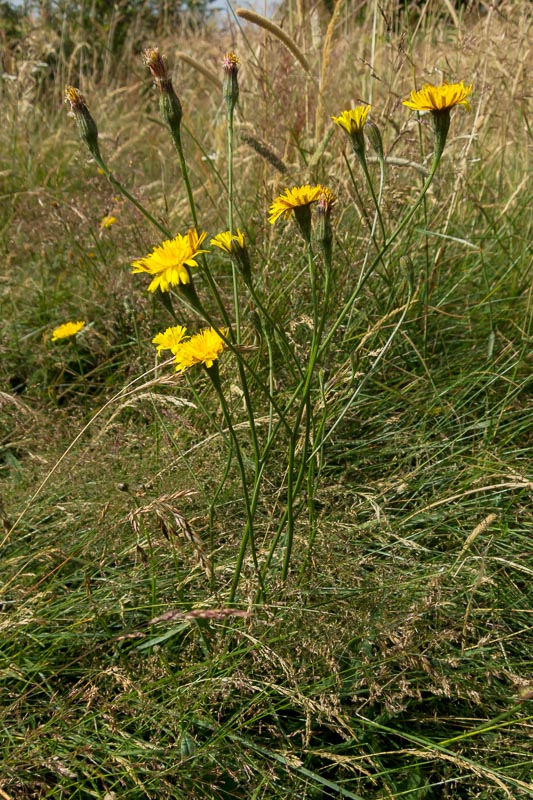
(169, 261)
(203, 348)
(225, 241)
(170, 339)
(230, 62)
(296, 198)
(107, 221)
(352, 121)
(66, 330)
(439, 98)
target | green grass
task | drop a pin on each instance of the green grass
(395, 659)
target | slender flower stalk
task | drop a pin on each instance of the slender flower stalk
(89, 134)
(353, 122)
(205, 348)
(298, 200)
(172, 113)
(442, 99)
(438, 101)
(231, 96)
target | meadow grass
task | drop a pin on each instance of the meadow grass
(198, 599)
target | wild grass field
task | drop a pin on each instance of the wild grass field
(303, 567)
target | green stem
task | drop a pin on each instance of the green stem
(377, 202)
(386, 246)
(125, 193)
(248, 536)
(294, 484)
(176, 138)
(230, 222)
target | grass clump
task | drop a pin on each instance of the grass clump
(265, 527)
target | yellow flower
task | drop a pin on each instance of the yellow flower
(66, 330)
(352, 121)
(225, 241)
(203, 348)
(296, 198)
(170, 339)
(234, 245)
(107, 221)
(439, 98)
(169, 261)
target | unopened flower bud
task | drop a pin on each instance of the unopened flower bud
(374, 137)
(323, 228)
(231, 82)
(86, 124)
(169, 104)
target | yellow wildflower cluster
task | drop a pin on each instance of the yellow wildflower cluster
(202, 348)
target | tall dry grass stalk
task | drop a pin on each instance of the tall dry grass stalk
(325, 68)
(279, 33)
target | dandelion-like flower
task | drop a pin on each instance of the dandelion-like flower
(66, 330)
(170, 261)
(234, 245)
(170, 339)
(204, 348)
(293, 200)
(286, 203)
(226, 241)
(439, 98)
(352, 120)
(297, 200)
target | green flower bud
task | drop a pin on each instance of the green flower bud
(86, 124)
(231, 83)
